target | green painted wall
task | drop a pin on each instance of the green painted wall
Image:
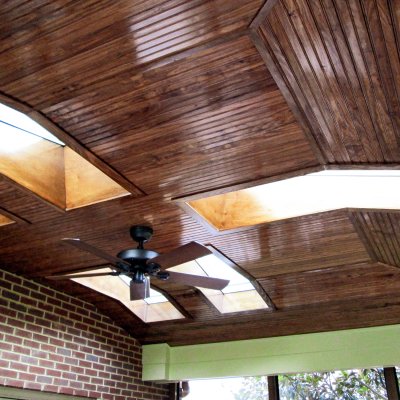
(356, 348)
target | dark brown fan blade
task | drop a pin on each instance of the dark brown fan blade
(88, 275)
(139, 291)
(197, 280)
(182, 254)
(94, 250)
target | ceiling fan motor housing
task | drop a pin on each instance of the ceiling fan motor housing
(138, 260)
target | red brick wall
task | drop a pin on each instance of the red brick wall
(53, 342)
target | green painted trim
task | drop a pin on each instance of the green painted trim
(326, 351)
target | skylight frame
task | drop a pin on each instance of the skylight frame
(5, 220)
(188, 203)
(60, 174)
(217, 298)
(117, 287)
(17, 120)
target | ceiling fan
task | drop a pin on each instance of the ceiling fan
(140, 264)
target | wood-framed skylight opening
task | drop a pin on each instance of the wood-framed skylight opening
(240, 295)
(155, 308)
(4, 220)
(303, 195)
(33, 158)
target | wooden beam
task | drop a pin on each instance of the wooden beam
(13, 216)
(273, 388)
(392, 383)
(173, 391)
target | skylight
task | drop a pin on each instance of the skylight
(13, 121)
(5, 220)
(152, 309)
(239, 295)
(308, 194)
(31, 157)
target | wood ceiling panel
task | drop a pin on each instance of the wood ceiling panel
(52, 40)
(313, 318)
(25, 205)
(299, 244)
(338, 63)
(212, 119)
(350, 282)
(161, 92)
(381, 232)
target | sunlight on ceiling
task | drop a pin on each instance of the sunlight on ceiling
(308, 194)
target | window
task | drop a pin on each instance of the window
(358, 384)
(229, 389)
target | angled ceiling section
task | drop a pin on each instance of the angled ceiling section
(337, 64)
(381, 234)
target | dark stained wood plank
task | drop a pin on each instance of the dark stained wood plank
(283, 86)
(303, 96)
(324, 86)
(328, 67)
(218, 112)
(22, 203)
(382, 231)
(392, 383)
(124, 33)
(343, 315)
(346, 75)
(13, 216)
(340, 62)
(299, 244)
(367, 64)
(332, 284)
(364, 235)
(273, 388)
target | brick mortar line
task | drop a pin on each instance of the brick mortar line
(68, 302)
(78, 374)
(97, 317)
(112, 350)
(115, 336)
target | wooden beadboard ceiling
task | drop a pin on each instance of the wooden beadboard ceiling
(181, 97)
